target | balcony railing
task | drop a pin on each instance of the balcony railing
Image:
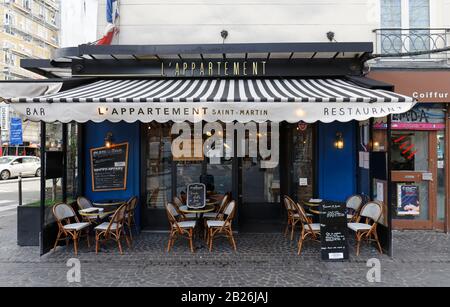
(397, 41)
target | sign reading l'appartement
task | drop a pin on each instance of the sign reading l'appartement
(213, 68)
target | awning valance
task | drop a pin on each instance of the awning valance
(226, 100)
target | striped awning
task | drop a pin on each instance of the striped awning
(225, 100)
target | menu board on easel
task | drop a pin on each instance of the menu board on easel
(333, 231)
(109, 167)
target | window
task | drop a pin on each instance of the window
(404, 14)
(41, 11)
(9, 20)
(27, 4)
(9, 58)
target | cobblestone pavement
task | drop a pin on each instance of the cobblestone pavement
(421, 259)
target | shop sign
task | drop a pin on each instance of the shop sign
(425, 86)
(213, 68)
(210, 112)
(196, 196)
(16, 133)
(419, 118)
(408, 201)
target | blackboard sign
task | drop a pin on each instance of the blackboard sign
(196, 195)
(109, 167)
(333, 231)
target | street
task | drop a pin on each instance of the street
(9, 194)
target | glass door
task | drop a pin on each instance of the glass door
(415, 179)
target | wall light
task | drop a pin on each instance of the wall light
(339, 141)
(109, 139)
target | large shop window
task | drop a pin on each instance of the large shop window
(303, 161)
(159, 165)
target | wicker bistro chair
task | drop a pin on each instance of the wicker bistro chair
(84, 203)
(130, 220)
(219, 213)
(310, 231)
(372, 212)
(293, 216)
(63, 214)
(114, 229)
(353, 204)
(179, 228)
(177, 203)
(216, 227)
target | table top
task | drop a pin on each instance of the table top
(105, 203)
(207, 208)
(100, 215)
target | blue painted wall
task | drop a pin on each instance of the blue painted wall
(94, 136)
(336, 168)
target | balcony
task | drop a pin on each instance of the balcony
(393, 43)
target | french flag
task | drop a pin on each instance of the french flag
(112, 18)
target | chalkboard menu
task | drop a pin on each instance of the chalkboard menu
(196, 195)
(109, 167)
(333, 231)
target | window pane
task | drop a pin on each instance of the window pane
(419, 17)
(391, 17)
(260, 185)
(303, 161)
(409, 151)
(159, 164)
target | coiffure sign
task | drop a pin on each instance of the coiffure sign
(425, 86)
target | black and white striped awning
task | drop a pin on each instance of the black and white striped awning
(225, 100)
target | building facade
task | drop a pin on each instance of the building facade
(190, 47)
(30, 29)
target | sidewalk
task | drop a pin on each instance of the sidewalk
(421, 259)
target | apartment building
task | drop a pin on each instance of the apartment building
(29, 29)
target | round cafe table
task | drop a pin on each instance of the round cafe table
(199, 212)
(100, 215)
(109, 205)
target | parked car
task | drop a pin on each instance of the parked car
(12, 166)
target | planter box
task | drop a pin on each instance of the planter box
(28, 224)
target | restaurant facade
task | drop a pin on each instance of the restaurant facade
(307, 107)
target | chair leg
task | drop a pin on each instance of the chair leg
(75, 244)
(191, 241)
(211, 236)
(97, 243)
(292, 230)
(128, 240)
(170, 243)
(57, 239)
(358, 243)
(378, 242)
(131, 231)
(120, 246)
(300, 242)
(233, 243)
(286, 229)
